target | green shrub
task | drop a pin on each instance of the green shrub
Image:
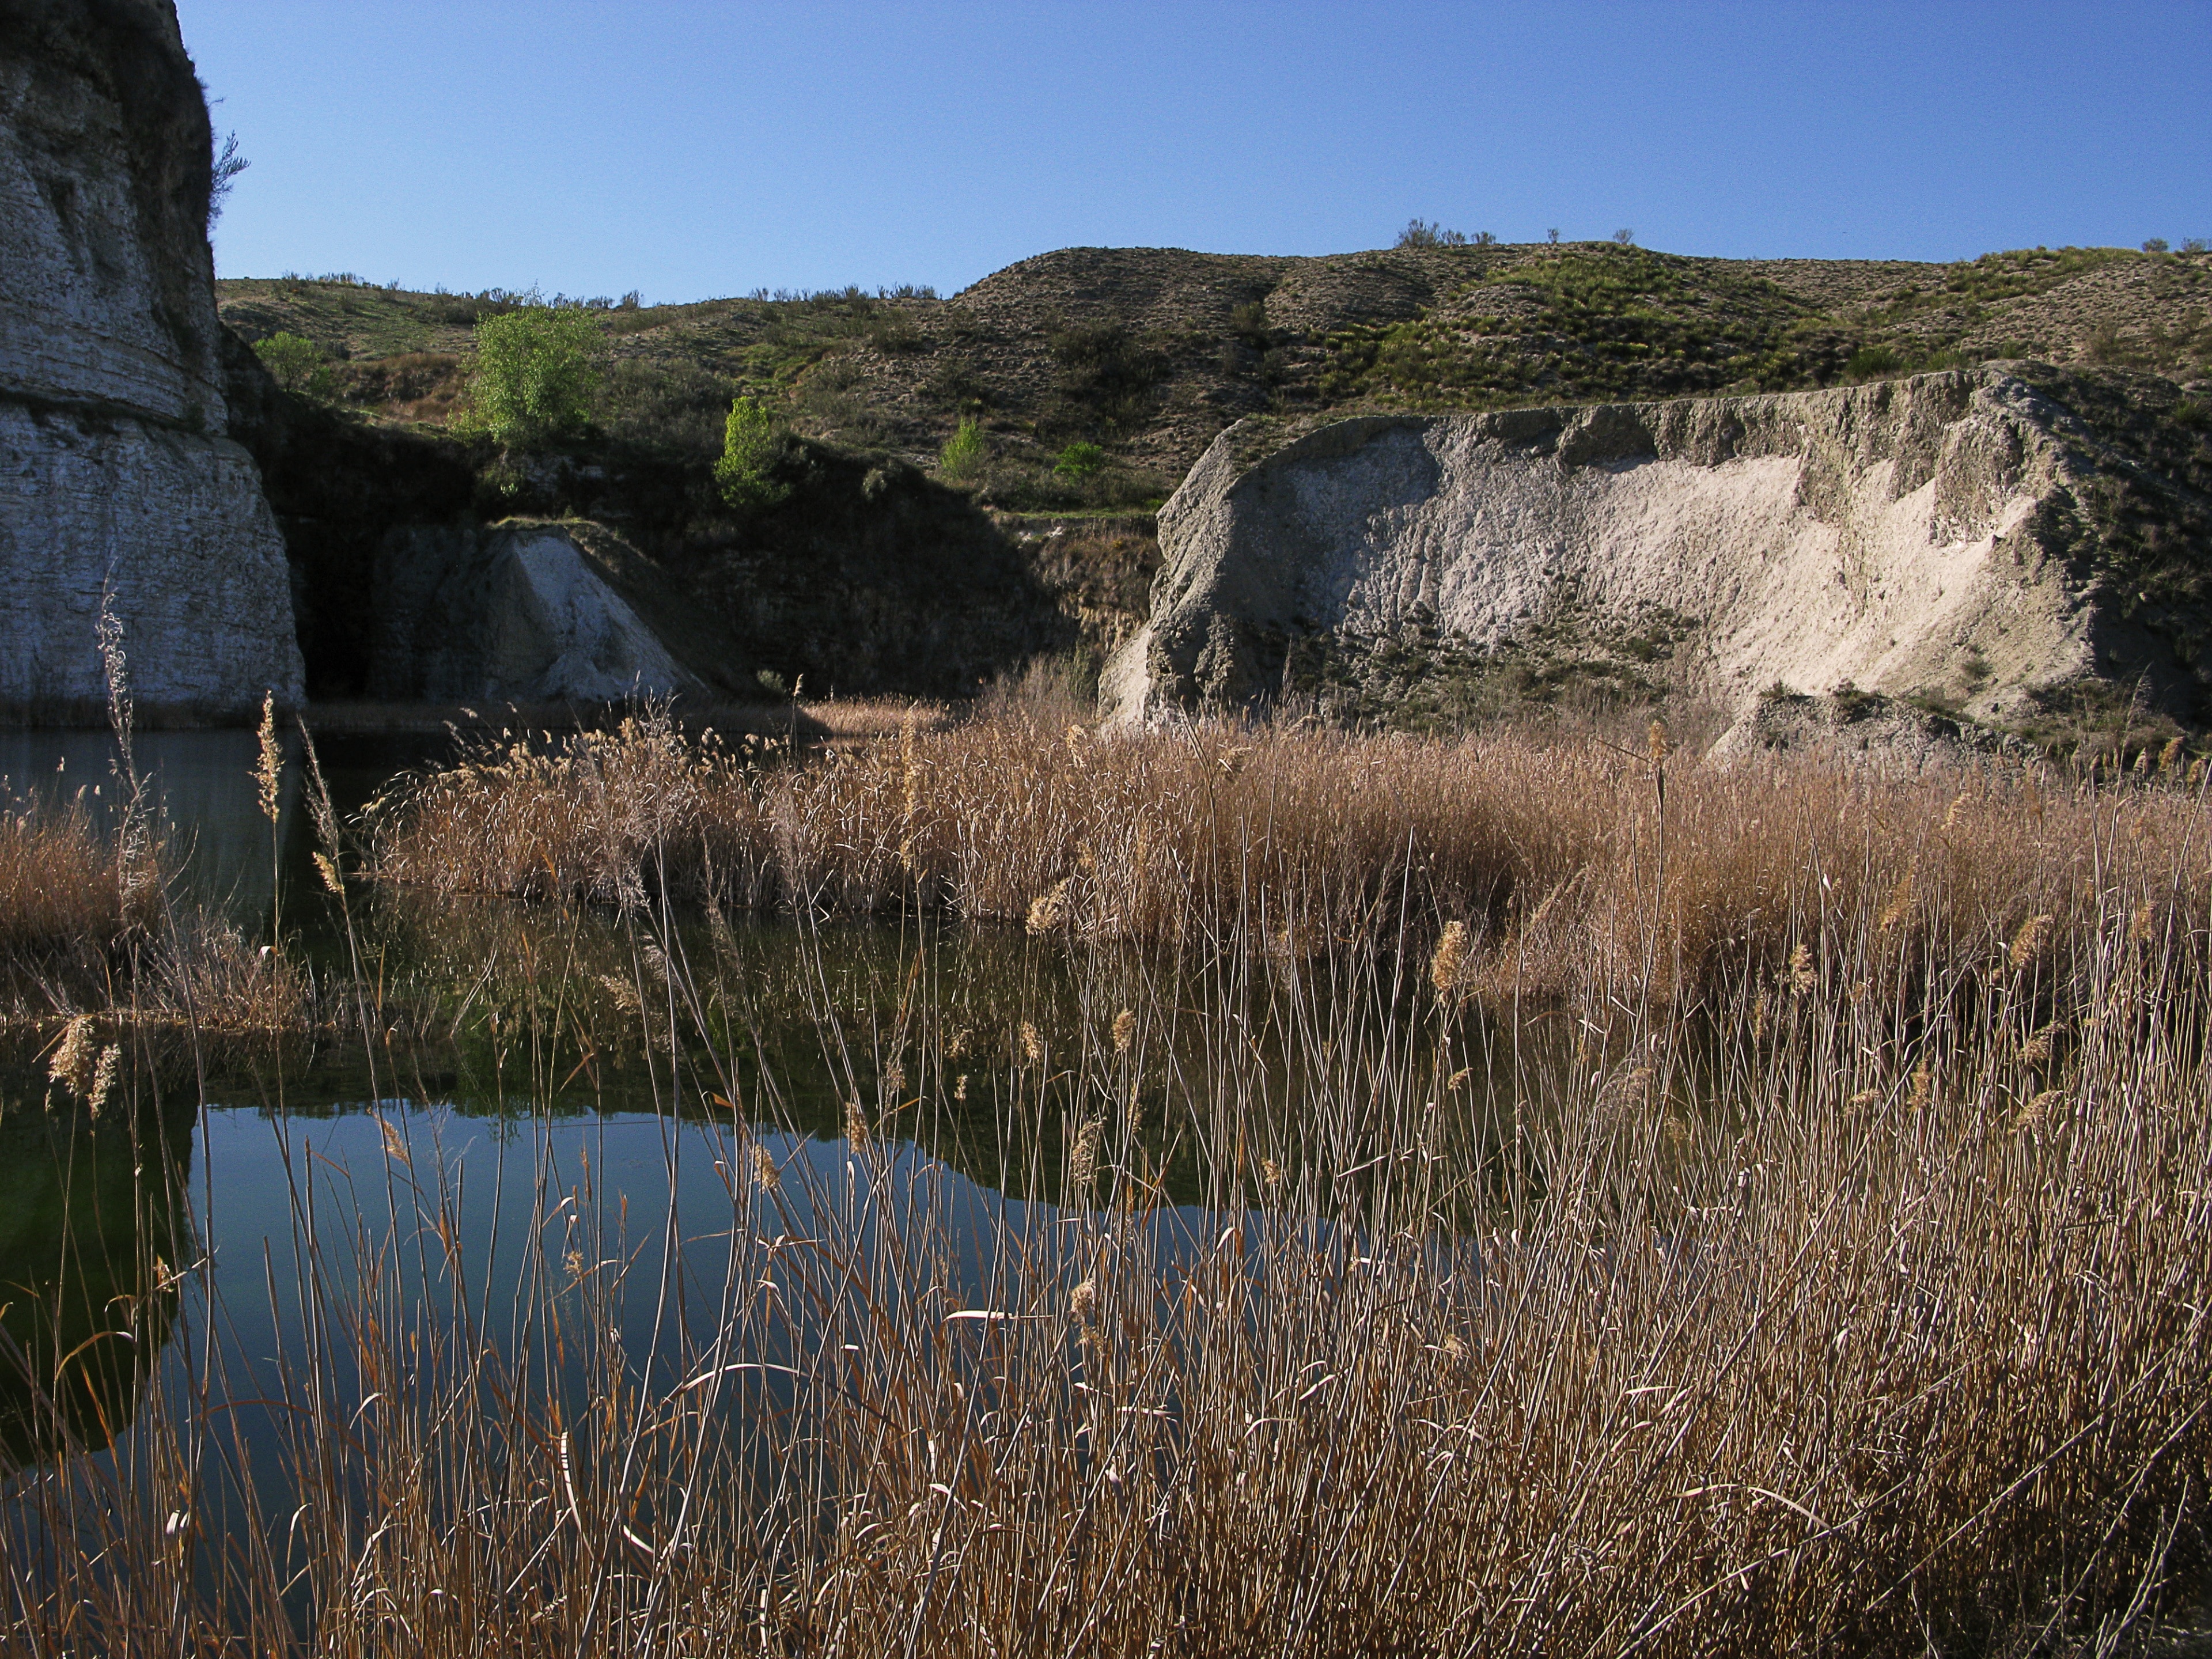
(963, 453)
(752, 448)
(1077, 461)
(536, 371)
(296, 364)
(1420, 233)
(1872, 362)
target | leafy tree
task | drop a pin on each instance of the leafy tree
(752, 447)
(296, 364)
(963, 453)
(536, 371)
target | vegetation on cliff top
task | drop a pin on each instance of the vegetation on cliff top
(1147, 353)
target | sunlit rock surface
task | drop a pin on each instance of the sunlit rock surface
(1943, 531)
(117, 482)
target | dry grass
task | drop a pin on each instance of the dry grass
(1828, 1327)
(58, 889)
(811, 720)
(1559, 857)
(89, 929)
(1787, 1235)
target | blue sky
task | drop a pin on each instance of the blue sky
(706, 150)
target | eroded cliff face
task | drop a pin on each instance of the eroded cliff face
(1952, 535)
(116, 476)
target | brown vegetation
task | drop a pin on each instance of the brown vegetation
(90, 941)
(1561, 856)
(1830, 1324)
(59, 892)
(1643, 1209)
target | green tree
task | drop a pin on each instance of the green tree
(752, 447)
(963, 453)
(536, 371)
(296, 364)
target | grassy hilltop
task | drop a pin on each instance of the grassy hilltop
(1151, 352)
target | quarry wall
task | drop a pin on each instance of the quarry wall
(1908, 534)
(117, 481)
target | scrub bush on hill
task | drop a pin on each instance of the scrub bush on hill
(963, 453)
(1079, 461)
(296, 364)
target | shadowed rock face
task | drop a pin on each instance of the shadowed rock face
(535, 612)
(115, 477)
(1879, 535)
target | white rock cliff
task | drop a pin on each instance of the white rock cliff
(1879, 535)
(116, 482)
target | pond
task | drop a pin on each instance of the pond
(446, 1274)
(651, 1095)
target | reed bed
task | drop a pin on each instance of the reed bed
(1564, 862)
(92, 934)
(1640, 1209)
(1846, 1311)
(59, 891)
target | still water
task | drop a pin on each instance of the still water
(497, 1082)
(638, 1107)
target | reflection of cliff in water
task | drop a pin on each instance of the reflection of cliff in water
(93, 1227)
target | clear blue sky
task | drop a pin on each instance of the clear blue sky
(706, 150)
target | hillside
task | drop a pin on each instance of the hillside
(873, 574)
(1151, 352)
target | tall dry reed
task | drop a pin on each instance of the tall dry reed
(1557, 858)
(1770, 1213)
(58, 893)
(1852, 1312)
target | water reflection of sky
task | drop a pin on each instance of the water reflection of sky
(248, 1207)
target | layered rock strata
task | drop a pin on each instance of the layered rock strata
(118, 484)
(1941, 532)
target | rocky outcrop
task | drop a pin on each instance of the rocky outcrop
(1951, 535)
(537, 612)
(118, 484)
